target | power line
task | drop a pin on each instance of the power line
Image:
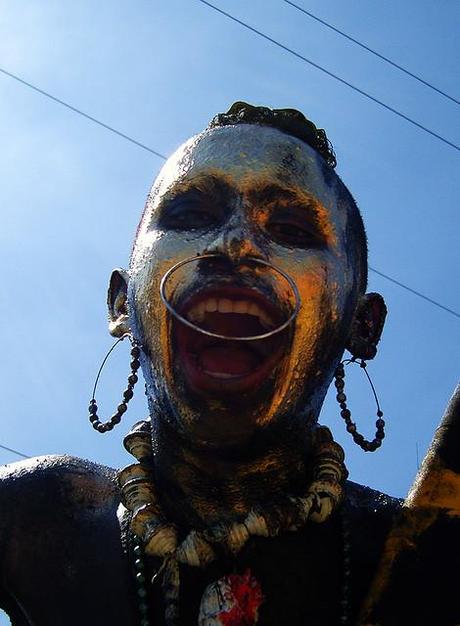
(374, 52)
(417, 293)
(24, 456)
(141, 145)
(82, 113)
(331, 74)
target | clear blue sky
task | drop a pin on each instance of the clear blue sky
(71, 193)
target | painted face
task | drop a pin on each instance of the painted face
(242, 192)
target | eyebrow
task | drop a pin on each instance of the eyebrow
(211, 185)
(273, 193)
(277, 193)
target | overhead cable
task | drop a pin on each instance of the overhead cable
(158, 154)
(374, 52)
(417, 293)
(82, 113)
(24, 456)
(331, 74)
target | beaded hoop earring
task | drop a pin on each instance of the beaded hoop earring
(365, 444)
(103, 427)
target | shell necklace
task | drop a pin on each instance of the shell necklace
(232, 600)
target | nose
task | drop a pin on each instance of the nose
(237, 240)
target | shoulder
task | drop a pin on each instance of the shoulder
(65, 499)
(58, 479)
(374, 508)
(58, 519)
(359, 497)
(368, 515)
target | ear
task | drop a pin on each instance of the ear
(367, 326)
(117, 302)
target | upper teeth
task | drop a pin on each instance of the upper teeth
(225, 305)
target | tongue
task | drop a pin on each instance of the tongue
(230, 360)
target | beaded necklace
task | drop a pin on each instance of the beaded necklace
(155, 536)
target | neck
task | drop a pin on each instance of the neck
(200, 487)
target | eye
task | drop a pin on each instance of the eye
(188, 215)
(294, 231)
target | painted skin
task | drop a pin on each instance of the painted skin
(242, 192)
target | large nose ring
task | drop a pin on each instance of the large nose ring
(183, 320)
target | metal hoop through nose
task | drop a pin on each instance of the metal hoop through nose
(196, 328)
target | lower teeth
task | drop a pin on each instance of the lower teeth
(222, 374)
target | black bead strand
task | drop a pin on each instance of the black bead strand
(103, 427)
(141, 589)
(366, 445)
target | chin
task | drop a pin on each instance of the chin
(226, 421)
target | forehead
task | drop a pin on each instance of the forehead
(247, 156)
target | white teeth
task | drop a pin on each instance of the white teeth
(197, 313)
(225, 305)
(211, 305)
(240, 306)
(265, 321)
(222, 375)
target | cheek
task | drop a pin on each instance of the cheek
(314, 312)
(311, 286)
(321, 281)
(156, 253)
(149, 313)
(309, 269)
(302, 361)
(325, 283)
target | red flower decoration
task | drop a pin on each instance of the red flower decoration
(245, 597)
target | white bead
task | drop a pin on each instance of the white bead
(237, 537)
(162, 542)
(325, 509)
(195, 551)
(256, 524)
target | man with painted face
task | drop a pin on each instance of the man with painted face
(246, 284)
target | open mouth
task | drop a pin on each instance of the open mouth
(210, 364)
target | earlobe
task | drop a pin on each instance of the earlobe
(367, 326)
(117, 303)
